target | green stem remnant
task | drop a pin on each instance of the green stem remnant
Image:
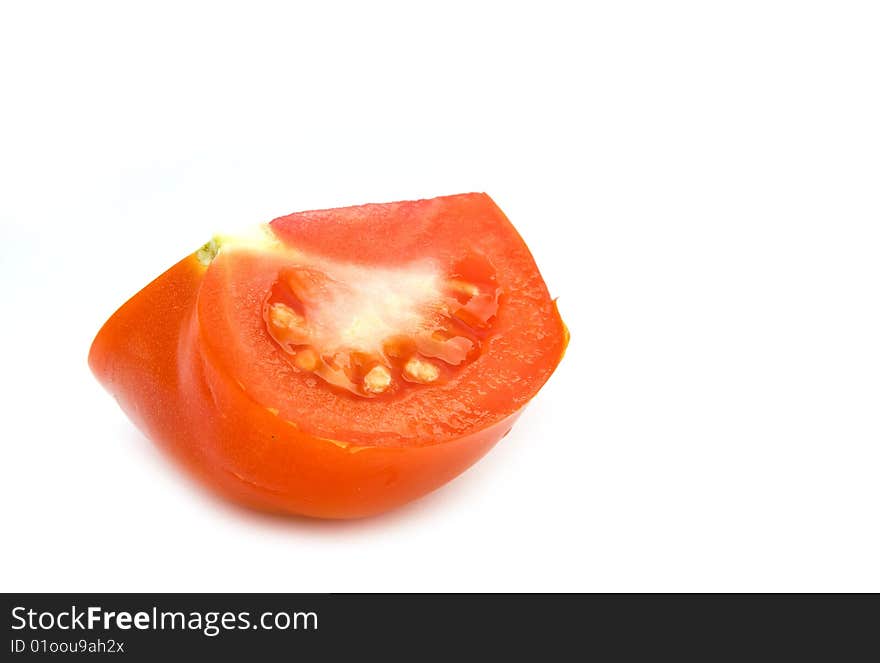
(208, 251)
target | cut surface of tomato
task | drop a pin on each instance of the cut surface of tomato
(340, 362)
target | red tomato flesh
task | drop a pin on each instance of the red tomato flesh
(344, 361)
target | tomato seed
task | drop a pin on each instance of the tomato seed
(420, 370)
(377, 380)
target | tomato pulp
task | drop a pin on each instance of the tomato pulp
(338, 363)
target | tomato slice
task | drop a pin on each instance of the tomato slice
(340, 362)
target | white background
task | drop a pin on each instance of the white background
(698, 183)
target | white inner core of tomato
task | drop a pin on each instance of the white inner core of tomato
(369, 306)
(373, 330)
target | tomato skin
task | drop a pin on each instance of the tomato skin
(208, 423)
(152, 356)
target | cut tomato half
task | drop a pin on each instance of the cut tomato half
(342, 362)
